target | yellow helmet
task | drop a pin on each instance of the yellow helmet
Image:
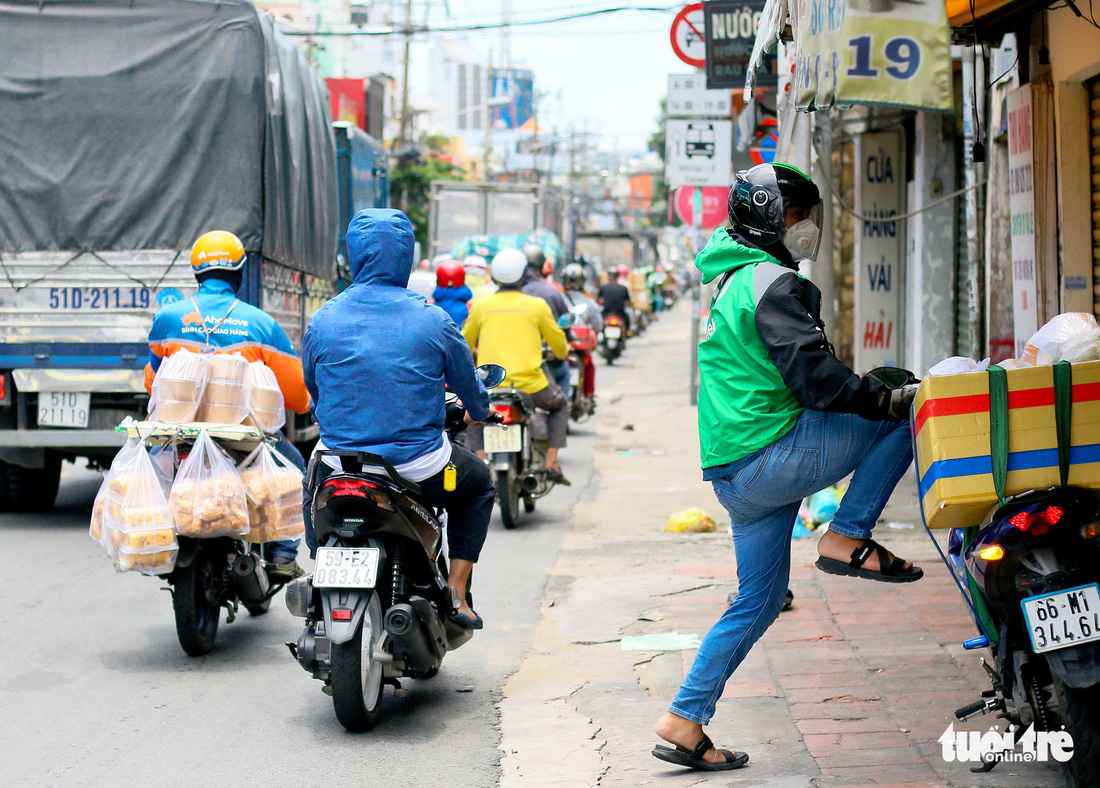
(217, 251)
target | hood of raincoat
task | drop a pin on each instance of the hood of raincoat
(380, 247)
(722, 253)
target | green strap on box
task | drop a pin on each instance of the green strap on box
(998, 422)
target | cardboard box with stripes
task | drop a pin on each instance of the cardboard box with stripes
(951, 425)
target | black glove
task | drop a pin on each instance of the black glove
(494, 417)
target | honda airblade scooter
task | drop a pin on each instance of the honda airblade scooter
(377, 606)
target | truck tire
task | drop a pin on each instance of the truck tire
(32, 489)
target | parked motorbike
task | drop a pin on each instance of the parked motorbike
(1030, 572)
(612, 338)
(377, 606)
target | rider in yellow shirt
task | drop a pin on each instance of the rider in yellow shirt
(508, 328)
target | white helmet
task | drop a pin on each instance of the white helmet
(475, 265)
(508, 266)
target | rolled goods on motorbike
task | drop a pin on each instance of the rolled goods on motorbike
(135, 524)
(1008, 459)
(266, 407)
(225, 399)
(179, 386)
(952, 423)
(208, 497)
(274, 490)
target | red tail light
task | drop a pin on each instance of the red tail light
(509, 414)
(341, 615)
(350, 487)
(1037, 523)
(613, 321)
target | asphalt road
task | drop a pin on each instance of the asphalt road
(95, 689)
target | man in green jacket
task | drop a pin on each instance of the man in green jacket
(780, 417)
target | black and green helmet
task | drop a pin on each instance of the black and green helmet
(761, 196)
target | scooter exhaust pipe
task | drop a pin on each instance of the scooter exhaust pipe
(529, 483)
(250, 578)
(410, 638)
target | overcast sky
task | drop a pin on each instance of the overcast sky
(611, 69)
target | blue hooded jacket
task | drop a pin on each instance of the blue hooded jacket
(454, 301)
(377, 356)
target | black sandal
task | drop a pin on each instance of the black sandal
(890, 571)
(694, 759)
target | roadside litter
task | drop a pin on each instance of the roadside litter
(660, 641)
(691, 521)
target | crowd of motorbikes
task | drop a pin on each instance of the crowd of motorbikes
(376, 607)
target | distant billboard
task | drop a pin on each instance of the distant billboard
(519, 85)
(348, 100)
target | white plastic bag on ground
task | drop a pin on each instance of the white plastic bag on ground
(1070, 336)
(274, 489)
(136, 525)
(958, 365)
(178, 387)
(208, 497)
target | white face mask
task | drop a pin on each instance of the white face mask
(802, 239)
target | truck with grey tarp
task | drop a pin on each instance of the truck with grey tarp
(127, 129)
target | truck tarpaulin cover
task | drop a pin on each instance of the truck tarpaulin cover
(128, 126)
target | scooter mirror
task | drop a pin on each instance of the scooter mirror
(579, 309)
(492, 375)
(894, 377)
(567, 321)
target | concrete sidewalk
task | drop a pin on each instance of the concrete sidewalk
(852, 687)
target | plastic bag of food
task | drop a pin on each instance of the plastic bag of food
(692, 520)
(136, 525)
(124, 456)
(958, 365)
(1070, 336)
(266, 404)
(274, 489)
(208, 497)
(225, 400)
(178, 387)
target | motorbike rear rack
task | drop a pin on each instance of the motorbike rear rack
(241, 437)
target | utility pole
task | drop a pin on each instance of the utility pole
(403, 133)
(488, 119)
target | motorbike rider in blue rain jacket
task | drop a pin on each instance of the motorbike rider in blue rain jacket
(377, 358)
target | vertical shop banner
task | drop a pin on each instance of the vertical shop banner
(880, 194)
(896, 55)
(1021, 208)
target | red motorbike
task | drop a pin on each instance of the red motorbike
(582, 373)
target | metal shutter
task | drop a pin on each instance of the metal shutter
(1094, 158)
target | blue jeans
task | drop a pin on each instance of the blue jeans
(560, 372)
(286, 550)
(762, 495)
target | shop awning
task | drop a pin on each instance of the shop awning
(963, 12)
